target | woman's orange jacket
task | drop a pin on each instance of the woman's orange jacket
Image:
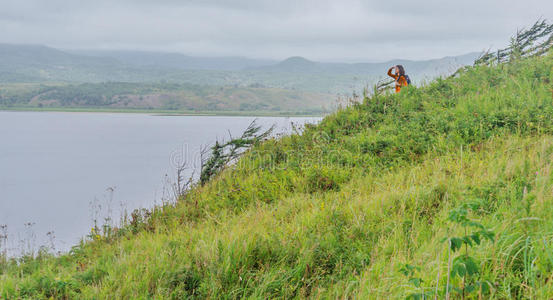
(399, 82)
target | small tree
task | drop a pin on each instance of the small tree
(534, 41)
(411, 272)
(464, 266)
(223, 154)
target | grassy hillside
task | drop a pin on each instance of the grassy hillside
(339, 210)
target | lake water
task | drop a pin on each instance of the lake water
(59, 171)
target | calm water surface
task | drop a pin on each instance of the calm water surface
(59, 171)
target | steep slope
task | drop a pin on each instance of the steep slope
(336, 211)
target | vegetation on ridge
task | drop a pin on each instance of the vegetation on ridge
(39, 78)
(161, 96)
(339, 209)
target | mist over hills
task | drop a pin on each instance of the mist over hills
(16, 56)
(41, 69)
(37, 63)
(177, 60)
(49, 64)
(292, 64)
(426, 67)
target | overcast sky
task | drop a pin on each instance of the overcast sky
(340, 30)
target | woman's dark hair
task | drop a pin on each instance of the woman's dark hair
(401, 70)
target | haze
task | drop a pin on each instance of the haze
(349, 30)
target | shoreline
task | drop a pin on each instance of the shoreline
(161, 112)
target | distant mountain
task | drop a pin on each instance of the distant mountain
(39, 64)
(434, 67)
(16, 56)
(136, 79)
(177, 60)
(344, 78)
(295, 64)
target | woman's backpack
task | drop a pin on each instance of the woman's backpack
(407, 79)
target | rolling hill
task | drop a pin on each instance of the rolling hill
(438, 191)
(426, 68)
(34, 76)
(177, 60)
(33, 63)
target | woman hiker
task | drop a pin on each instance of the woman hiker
(399, 76)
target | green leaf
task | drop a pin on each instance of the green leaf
(467, 240)
(408, 270)
(476, 238)
(475, 224)
(484, 286)
(458, 215)
(416, 282)
(474, 205)
(458, 267)
(414, 296)
(469, 288)
(455, 244)
(487, 234)
(471, 266)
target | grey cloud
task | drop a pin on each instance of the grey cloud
(324, 30)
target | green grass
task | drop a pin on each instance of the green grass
(336, 211)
